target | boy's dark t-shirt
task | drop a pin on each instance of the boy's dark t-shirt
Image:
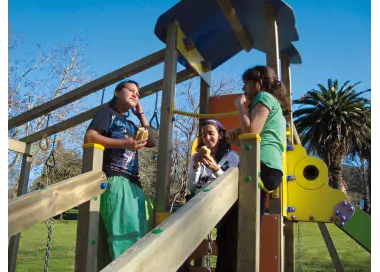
(117, 161)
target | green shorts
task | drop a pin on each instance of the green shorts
(122, 208)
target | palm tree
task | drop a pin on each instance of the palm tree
(332, 122)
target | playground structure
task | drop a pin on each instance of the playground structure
(224, 29)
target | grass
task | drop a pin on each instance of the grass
(315, 256)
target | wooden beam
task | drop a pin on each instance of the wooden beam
(87, 242)
(30, 209)
(19, 146)
(286, 79)
(21, 190)
(83, 117)
(234, 21)
(165, 146)
(204, 99)
(170, 247)
(272, 52)
(89, 88)
(289, 247)
(249, 204)
(331, 248)
(272, 60)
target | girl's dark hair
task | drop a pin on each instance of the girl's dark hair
(119, 87)
(271, 84)
(223, 145)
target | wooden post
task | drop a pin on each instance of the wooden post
(249, 204)
(22, 188)
(289, 255)
(165, 146)
(88, 216)
(204, 99)
(331, 248)
(272, 59)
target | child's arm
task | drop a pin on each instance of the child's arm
(94, 136)
(255, 122)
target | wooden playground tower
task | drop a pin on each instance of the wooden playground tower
(177, 236)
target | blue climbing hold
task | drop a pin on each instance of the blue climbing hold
(103, 185)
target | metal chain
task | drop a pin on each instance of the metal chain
(209, 252)
(50, 228)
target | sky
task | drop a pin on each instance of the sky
(335, 38)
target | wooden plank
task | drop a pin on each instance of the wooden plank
(331, 248)
(286, 79)
(269, 237)
(234, 21)
(87, 242)
(21, 190)
(290, 261)
(19, 146)
(165, 146)
(272, 52)
(272, 60)
(204, 101)
(89, 88)
(249, 205)
(167, 250)
(193, 57)
(30, 209)
(85, 116)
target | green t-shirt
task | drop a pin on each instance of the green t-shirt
(273, 134)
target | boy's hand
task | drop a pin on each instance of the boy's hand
(133, 145)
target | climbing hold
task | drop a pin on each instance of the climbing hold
(206, 190)
(289, 147)
(93, 242)
(291, 209)
(341, 224)
(173, 119)
(157, 231)
(103, 185)
(336, 212)
(344, 203)
(258, 185)
(343, 218)
(248, 147)
(332, 218)
(95, 198)
(43, 188)
(288, 139)
(258, 174)
(311, 218)
(248, 179)
(290, 178)
(287, 125)
(293, 217)
(351, 208)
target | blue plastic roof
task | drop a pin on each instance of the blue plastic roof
(203, 21)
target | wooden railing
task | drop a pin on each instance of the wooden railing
(30, 209)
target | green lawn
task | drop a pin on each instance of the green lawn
(315, 256)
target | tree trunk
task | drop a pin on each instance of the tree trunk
(336, 172)
(369, 184)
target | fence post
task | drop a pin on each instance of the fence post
(249, 203)
(88, 216)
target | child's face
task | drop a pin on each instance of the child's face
(251, 89)
(210, 136)
(128, 96)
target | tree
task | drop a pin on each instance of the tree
(45, 75)
(332, 122)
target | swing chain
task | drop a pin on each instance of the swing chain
(154, 117)
(209, 252)
(50, 228)
(104, 89)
